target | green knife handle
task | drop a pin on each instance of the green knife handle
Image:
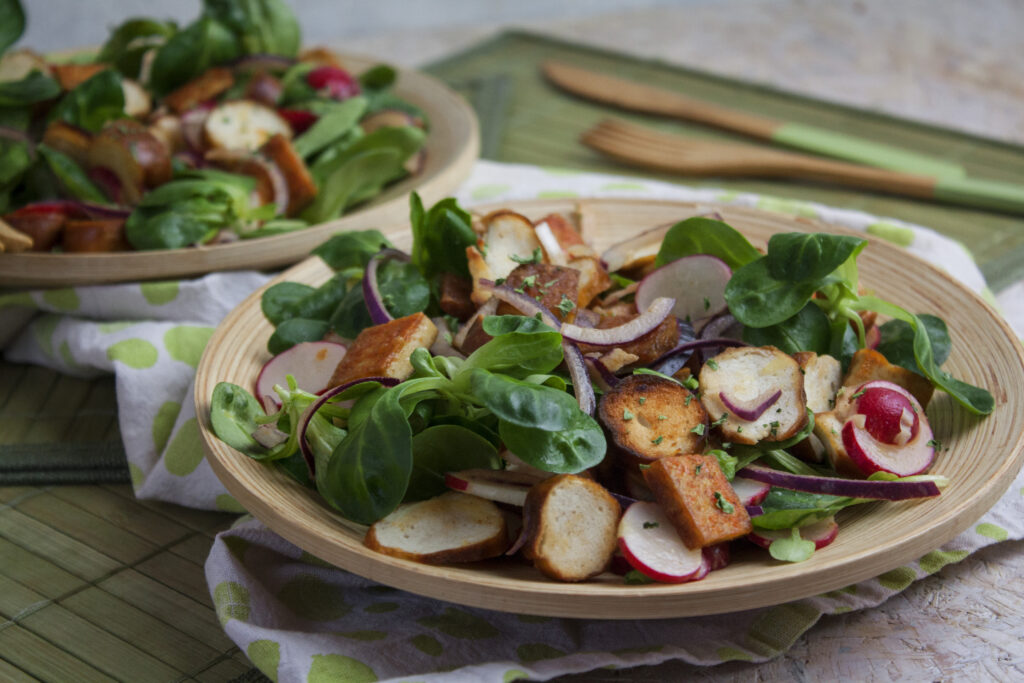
(988, 194)
(862, 151)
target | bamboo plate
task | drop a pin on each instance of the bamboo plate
(451, 148)
(981, 460)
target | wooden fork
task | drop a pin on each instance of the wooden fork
(666, 152)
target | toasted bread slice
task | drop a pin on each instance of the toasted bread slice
(384, 350)
(648, 417)
(698, 499)
(572, 525)
(453, 527)
(508, 234)
(868, 365)
(454, 299)
(749, 374)
(822, 379)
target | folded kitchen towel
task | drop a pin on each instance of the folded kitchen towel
(299, 619)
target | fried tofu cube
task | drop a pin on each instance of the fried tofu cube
(546, 284)
(384, 350)
(868, 365)
(698, 499)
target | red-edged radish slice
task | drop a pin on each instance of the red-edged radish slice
(822, 533)
(888, 432)
(750, 492)
(310, 363)
(652, 546)
(501, 486)
(697, 283)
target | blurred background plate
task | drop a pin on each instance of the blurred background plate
(451, 148)
(981, 457)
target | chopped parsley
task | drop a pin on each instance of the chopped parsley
(643, 400)
(721, 420)
(663, 417)
(699, 429)
(691, 383)
(657, 440)
(723, 505)
(686, 401)
(858, 394)
(635, 577)
(565, 305)
(774, 427)
(698, 468)
(651, 525)
(536, 257)
(712, 364)
(707, 303)
(500, 281)
(626, 415)
(936, 444)
(643, 466)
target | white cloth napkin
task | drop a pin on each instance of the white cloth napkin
(299, 619)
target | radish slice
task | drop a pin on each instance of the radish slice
(833, 486)
(697, 283)
(750, 492)
(822, 533)
(310, 363)
(371, 292)
(644, 323)
(651, 545)
(500, 486)
(751, 409)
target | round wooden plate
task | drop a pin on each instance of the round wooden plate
(980, 456)
(451, 148)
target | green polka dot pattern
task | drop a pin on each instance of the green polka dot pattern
(135, 353)
(185, 451)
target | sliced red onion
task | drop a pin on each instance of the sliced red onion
(308, 414)
(371, 292)
(752, 409)
(670, 363)
(573, 357)
(580, 378)
(723, 326)
(643, 324)
(441, 345)
(100, 211)
(599, 372)
(754, 510)
(262, 62)
(852, 488)
(108, 182)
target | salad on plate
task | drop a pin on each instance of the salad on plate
(172, 137)
(505, 390)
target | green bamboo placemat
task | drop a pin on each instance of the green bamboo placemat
(542, 125)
